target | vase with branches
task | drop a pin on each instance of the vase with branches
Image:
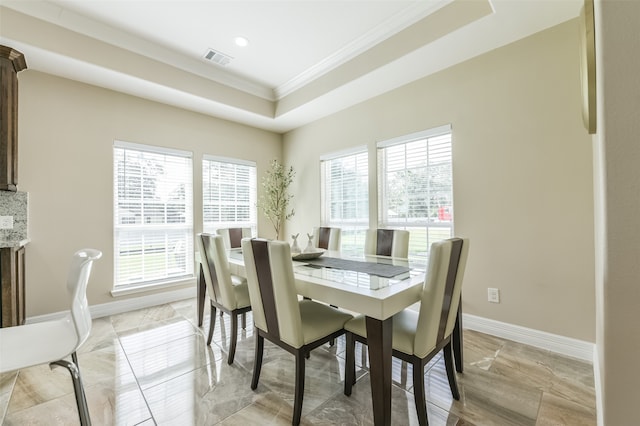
(275, 200)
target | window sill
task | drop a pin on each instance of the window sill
(148, 287)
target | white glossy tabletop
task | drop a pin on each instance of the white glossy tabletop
(370, 295)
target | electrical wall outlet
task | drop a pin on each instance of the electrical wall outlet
(6, 222)
(493, 295)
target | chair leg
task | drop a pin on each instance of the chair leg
(257, 360)
(81, 399)
(332, 341)
(349, 364)
(451, 372)
(403, 373)
(299, 392)
(233, 338)
(244, 320)
(418, 393)
(212, 323)
(74, 358)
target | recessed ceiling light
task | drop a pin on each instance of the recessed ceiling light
(241, 41)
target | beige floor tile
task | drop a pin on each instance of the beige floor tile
(153, 366)
(559, 411)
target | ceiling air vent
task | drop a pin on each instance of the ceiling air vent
(217, 57)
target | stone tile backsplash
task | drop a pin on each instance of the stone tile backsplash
(15, 204)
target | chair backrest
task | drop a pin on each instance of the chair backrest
(327, 238)
(77, 280)
(233, 236)
(441, 293)
(274, 300)
(215, 267)
(387, 242)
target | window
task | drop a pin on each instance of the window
(153, 215)
(415, 187)
(229, 194)
(345, 196)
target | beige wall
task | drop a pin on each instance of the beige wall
(66, 134)
(523, 175)
(617, 148)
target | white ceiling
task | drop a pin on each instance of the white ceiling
(306, 58)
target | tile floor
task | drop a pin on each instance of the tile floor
(152, 366)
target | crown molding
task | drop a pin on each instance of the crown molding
(396, 23)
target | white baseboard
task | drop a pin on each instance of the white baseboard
(597, 379)
(126, 305)
(112, 308)
(540, 339)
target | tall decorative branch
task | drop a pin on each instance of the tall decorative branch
(274, 202)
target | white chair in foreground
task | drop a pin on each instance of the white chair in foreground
(51, 341)
(419, 336)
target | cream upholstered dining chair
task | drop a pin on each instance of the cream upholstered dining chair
(52, 341)
(233, 236)
(387, 242)
(419, 336)
(297, 326)
(231, 297)
(327, 238)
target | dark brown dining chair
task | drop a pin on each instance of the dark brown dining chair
(297, 326)
(419, 336)
(229, 296)
(387, 242)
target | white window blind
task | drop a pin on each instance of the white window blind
(229, 194)
(345, 196)
(153, 214)
(415, 189)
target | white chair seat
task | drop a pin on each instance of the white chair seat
(241, 292)
(319, 320)
(46, 342)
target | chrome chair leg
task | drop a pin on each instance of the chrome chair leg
(81, 399)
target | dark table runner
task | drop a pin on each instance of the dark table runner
(380, 269)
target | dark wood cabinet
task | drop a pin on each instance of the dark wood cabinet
(12, 267)
(12, 253)
(11, 62)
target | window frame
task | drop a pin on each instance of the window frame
(252, 223)
(180, 233)
(434, 229)
(352, 231)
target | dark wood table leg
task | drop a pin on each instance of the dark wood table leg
(379, 334)
(202, 292)
(457, 340)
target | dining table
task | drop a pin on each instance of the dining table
(376, 286)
